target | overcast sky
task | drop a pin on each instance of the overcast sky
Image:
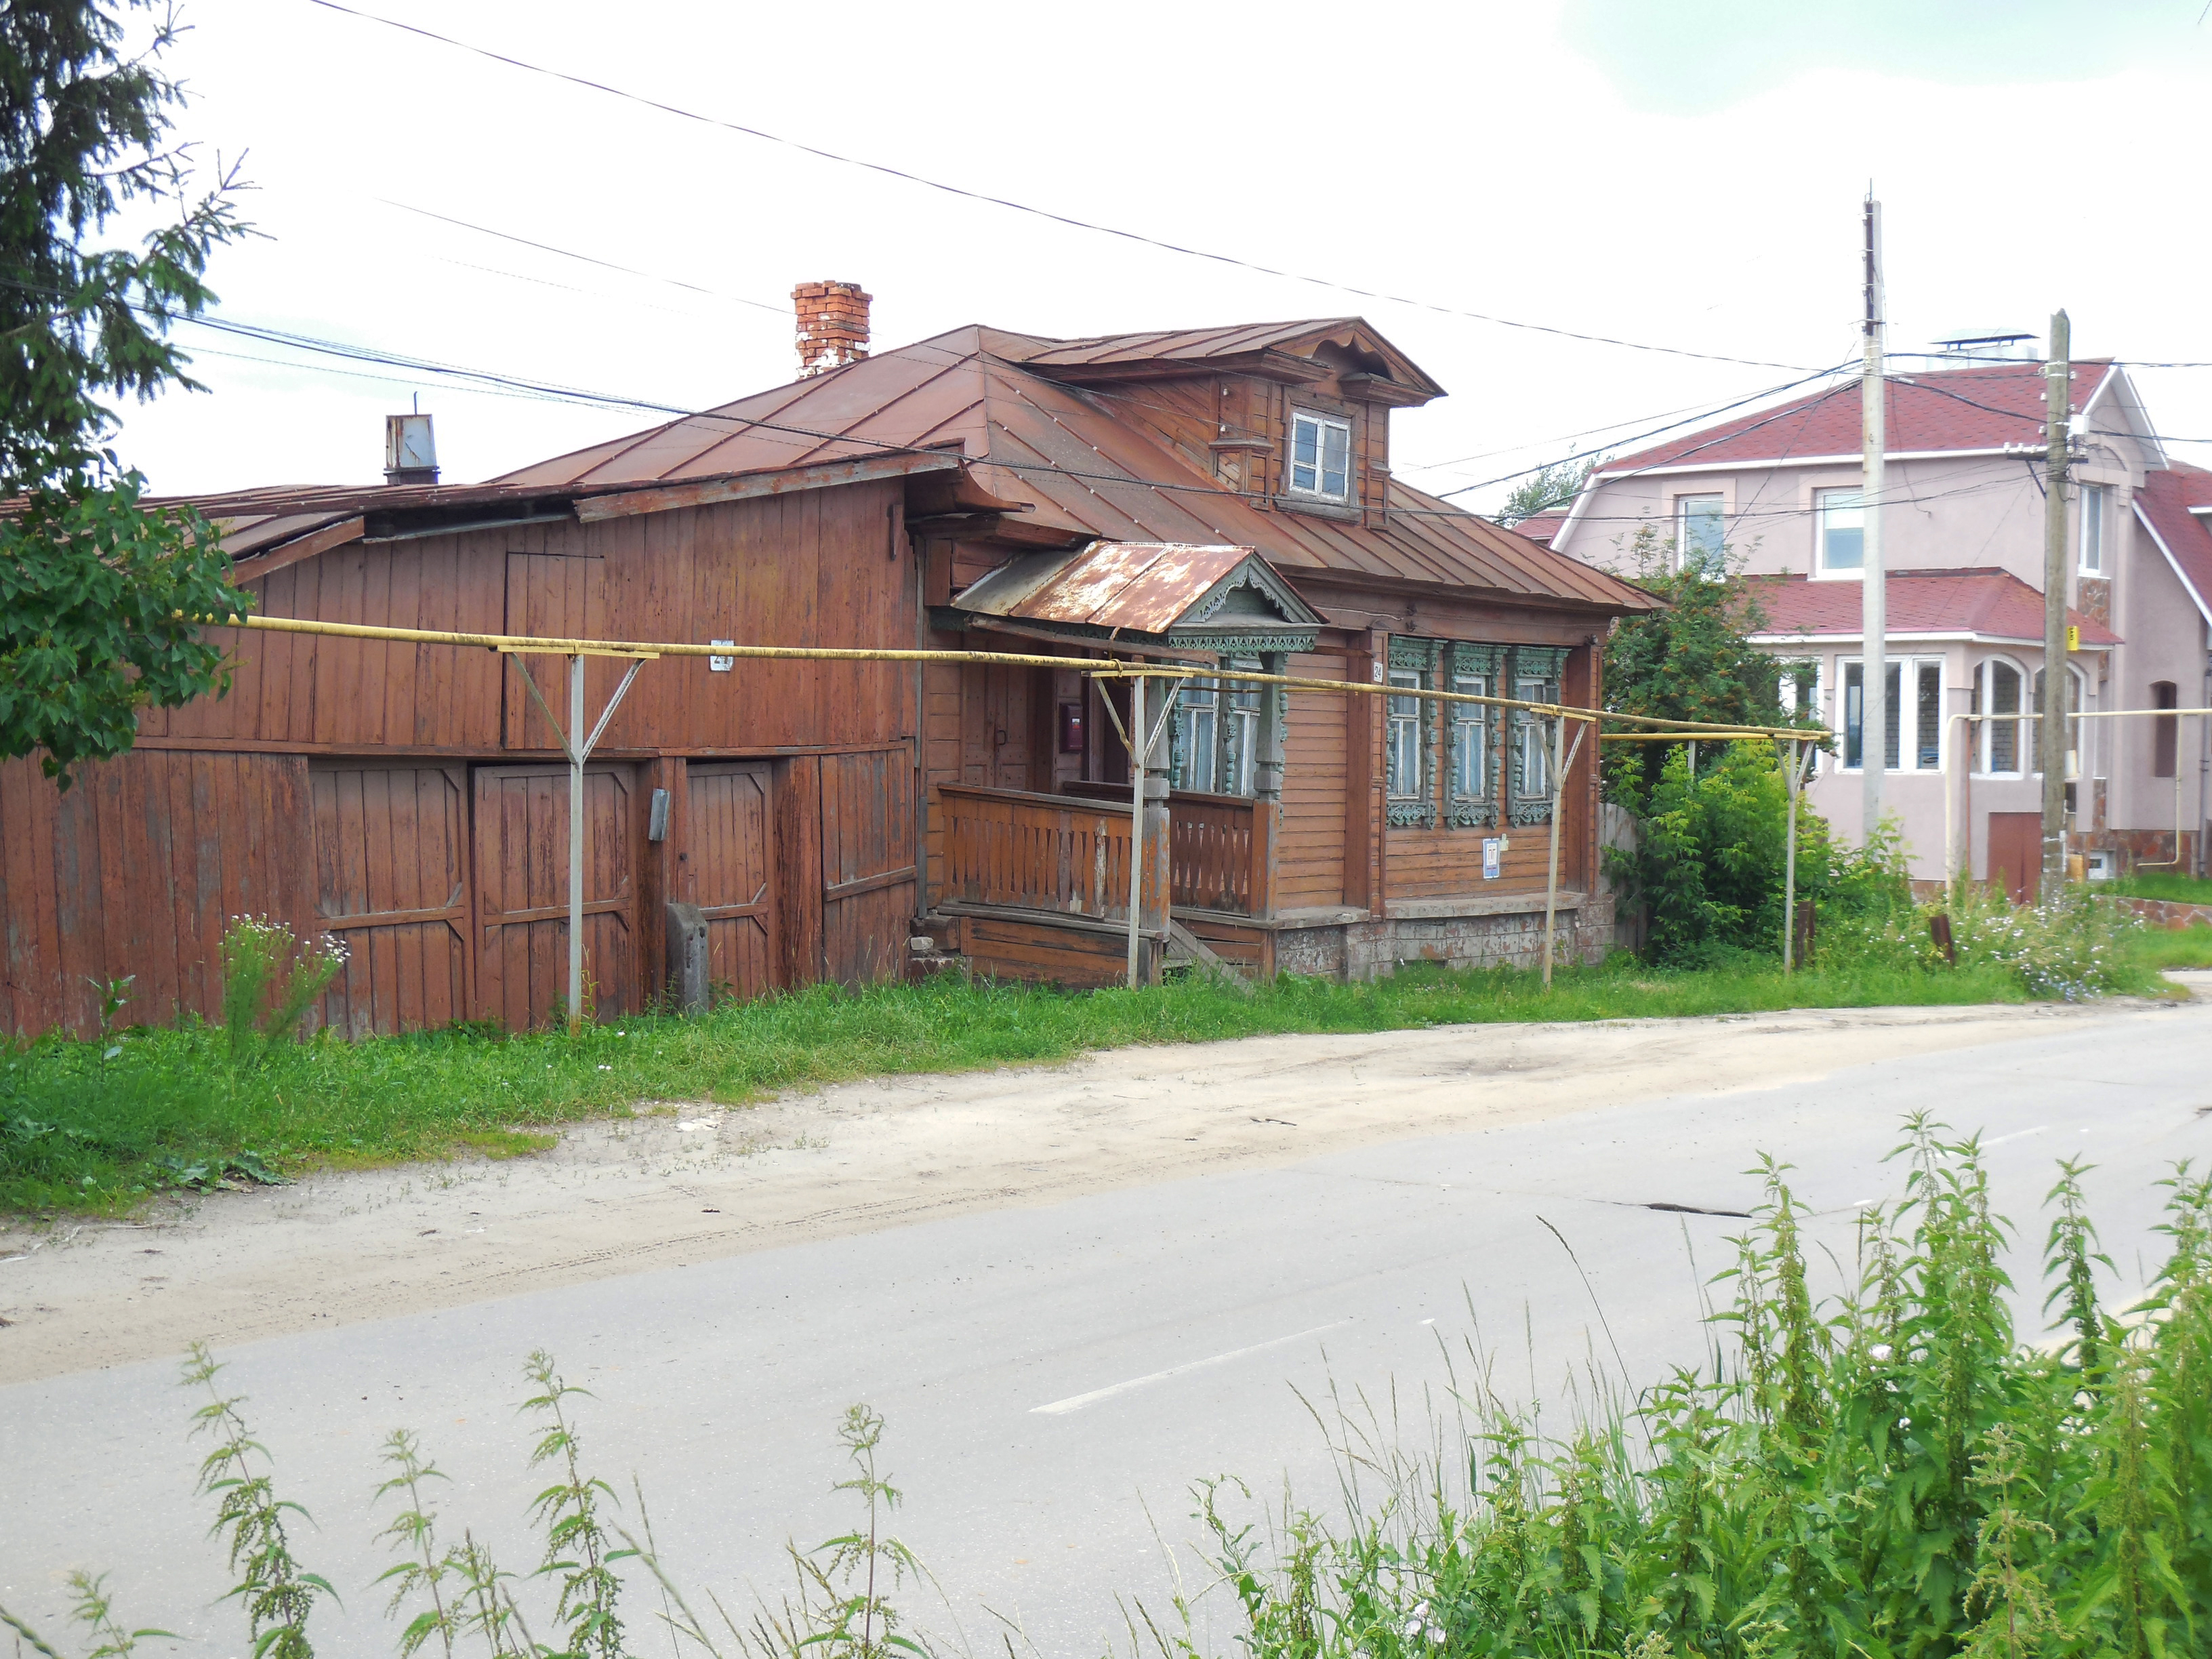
(1685, 175)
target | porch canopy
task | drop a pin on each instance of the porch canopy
(1227, 601)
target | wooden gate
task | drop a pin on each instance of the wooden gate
(522, 892)
(732, 872)
(867, 865)
(391, 866)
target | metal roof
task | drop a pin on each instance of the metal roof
(1148, 587)
(1083, 466)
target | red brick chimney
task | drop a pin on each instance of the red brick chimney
(833, 326)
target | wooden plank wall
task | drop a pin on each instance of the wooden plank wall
(1446, 862)
(1309, 857)
(393, 857)
(868, 898)
(1190, 413)
(817, 568)
(137, 871)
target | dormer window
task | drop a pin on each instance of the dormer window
(1321, 457)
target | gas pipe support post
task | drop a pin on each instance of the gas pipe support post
(1562, 758)
(1790, 867)
(1136, 738)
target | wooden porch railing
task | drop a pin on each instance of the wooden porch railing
(1220, 853)
(1054, 852)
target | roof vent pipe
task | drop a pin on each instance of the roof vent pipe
(833, 326)
(411, 449)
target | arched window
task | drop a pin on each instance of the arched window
(2000, 745)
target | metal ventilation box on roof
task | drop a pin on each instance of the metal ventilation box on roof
(411, 449)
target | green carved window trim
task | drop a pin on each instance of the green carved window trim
(1478, 810)
(1526, 805)
(1420, 657)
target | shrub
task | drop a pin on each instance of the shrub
(2071, 947)
(269, 981)
(1892, 1475)
(1710, 866)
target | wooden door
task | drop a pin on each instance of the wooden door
(997, 718)
(2016, 853)
(392, 884)
(731, 863)
(867, 865)
(522, 892)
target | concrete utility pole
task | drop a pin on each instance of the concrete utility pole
(2058, 407)
(1874, 597)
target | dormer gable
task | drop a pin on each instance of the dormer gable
(1348, 354)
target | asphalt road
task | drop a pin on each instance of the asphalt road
(1056, 1377)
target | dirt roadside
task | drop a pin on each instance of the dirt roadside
(698, 1184)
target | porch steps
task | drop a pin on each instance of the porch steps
(1185, 949)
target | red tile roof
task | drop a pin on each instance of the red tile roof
(1938, 410)
(1541, 526)
(1984, 604)
(2164, 501)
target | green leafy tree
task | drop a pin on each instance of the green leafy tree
(1546, 488)
(1693, 660)
(101, 596)
(1710, 856)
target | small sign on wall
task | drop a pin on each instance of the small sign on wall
(721, 664)
(1493, 850)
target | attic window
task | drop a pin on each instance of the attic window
(1321, 457)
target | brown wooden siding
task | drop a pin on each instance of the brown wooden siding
(392, 886)
(868, 878)
(521, 839)
(813, 569)
(730, 863)
(1310, 859)
(137, 871)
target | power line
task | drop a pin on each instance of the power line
(589, 259)
(902, 174)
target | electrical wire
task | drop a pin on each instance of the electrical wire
(515, 385)
(589, 259)
(1072, 223)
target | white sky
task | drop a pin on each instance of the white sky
(1558, 162)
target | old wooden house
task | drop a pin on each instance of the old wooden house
(1217, 499)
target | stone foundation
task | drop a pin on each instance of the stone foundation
(2166, 912)
(1512, 940)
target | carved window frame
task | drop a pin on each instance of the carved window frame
(1478, 810)
(1419, 658)
(1544, 663)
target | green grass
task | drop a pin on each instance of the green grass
(81, 1133)
(2156, 948)
(2169, 885)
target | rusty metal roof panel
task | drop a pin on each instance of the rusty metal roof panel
(1137, 587)
(1164, 592)
(247, 533)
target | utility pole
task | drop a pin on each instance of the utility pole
(2058, 407)
(1874, 712)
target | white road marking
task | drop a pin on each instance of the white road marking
(1076, 1402)
(2017, 1134)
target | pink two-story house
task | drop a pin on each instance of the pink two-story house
(1963, 537)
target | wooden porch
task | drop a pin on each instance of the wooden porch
(1039, 885)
